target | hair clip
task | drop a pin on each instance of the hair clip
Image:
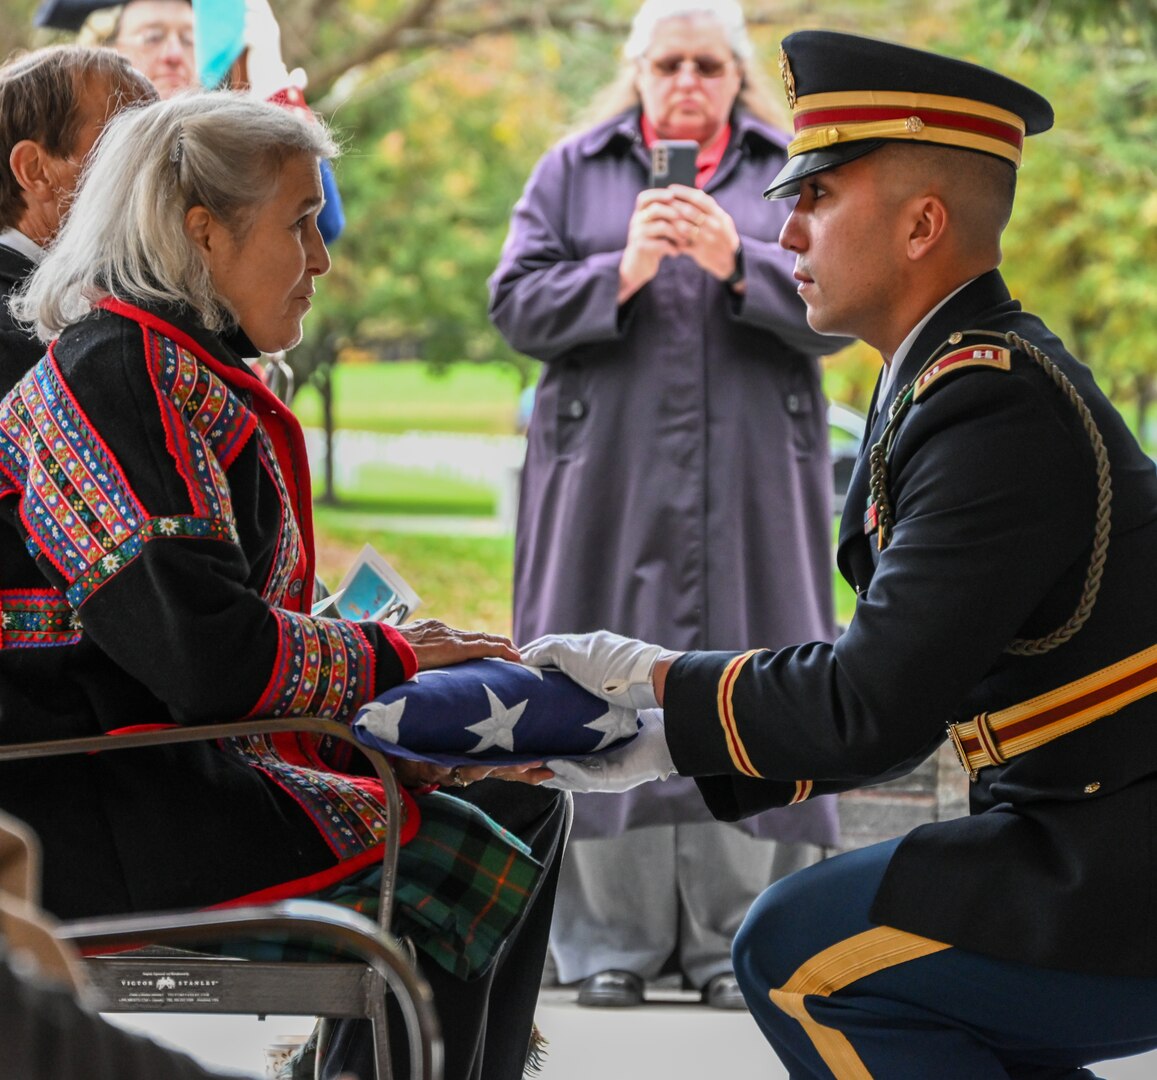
(178, 150)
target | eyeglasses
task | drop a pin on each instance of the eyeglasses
(151, 38)
(705, 67)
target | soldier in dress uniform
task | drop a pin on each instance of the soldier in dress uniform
(1001, 532)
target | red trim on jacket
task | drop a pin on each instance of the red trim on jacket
(404, 650)
(282, 427)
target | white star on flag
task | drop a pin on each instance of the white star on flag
(383, 719)
(498, 728)
(613, 726)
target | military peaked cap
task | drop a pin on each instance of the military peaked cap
(68, 14)
(849, 95)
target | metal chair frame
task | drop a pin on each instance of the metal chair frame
(160, 979)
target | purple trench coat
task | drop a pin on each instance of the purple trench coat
(677, 485)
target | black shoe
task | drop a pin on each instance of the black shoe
(618, 989)
(722, 992)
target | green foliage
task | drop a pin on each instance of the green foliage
(1082, 247)
(428, 181)
(1074, 18)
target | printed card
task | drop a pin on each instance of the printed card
(373, 591)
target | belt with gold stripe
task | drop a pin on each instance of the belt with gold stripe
(993, 738)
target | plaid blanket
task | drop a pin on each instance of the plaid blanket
(464, 883)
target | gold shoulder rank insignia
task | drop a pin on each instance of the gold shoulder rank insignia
(989, 356)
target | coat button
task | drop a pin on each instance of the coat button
(1093, 788)
(295, 587)
(575, 409)
(792, 403)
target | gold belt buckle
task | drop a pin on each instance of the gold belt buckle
(961, 754)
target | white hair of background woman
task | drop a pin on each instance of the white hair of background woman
(124, 235)
(622, 92)
(728, 13)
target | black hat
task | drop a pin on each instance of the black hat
(849, 95)
(67, 14)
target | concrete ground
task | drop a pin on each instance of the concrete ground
(670, 1036)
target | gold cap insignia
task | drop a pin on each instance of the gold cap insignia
(788, 78)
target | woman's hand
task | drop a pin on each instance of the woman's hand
(436, 645)
(707, 232)
(654, 232)
(421, 773)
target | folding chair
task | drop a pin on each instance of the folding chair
(162, 979)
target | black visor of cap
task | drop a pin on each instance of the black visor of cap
(800, 167)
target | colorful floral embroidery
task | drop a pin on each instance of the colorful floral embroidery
(323, 668)
(347, 810)
(33, 618)
(77, 505)
(206, 424)
(189, 527)
(289, 558)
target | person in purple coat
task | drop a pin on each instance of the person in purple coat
(677, 484)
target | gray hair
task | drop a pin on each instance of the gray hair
(125, 234)
(622, 93)
(727, 13)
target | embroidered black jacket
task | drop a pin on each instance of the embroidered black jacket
(156, 567)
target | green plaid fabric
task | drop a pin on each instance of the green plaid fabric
(464, 883)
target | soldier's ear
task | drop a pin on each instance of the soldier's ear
(928, 225)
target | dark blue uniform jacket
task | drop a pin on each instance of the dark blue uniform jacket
(993, 485)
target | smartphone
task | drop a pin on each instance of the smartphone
(673, 162)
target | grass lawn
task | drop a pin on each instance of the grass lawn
(388, 489)
(464, 581)
(405, 395)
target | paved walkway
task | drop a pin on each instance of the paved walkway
(670, 1037)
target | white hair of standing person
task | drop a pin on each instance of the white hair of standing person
(727, 13)
(124, 236)
(622, 92)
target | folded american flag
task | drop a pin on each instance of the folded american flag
(491, 711)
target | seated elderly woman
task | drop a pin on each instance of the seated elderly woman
(156, 567)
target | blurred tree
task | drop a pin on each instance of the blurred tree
(444, 106)
(1076, 17)
(1082, 249)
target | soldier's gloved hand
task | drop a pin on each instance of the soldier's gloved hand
(645, 757)
(616, 669)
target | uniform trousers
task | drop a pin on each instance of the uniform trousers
(837, 995)
(630, 902)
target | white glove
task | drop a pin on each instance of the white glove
(645, 757)
(614, 668)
